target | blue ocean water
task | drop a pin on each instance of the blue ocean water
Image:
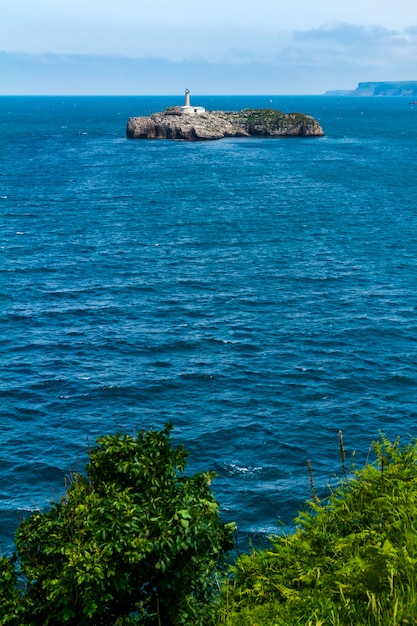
(260, 294)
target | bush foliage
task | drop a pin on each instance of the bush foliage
(352, 560)
(133, 541)
(136, 541)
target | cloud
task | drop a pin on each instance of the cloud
(309, 62)
(25, 74)
(361, 46)
(345, 34)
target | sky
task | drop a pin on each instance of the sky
(212, 46)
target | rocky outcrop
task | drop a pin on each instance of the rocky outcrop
(175, 123)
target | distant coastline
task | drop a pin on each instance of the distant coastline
(396, 88)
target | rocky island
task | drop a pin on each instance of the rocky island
(191, 123)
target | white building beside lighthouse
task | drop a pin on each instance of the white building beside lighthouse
(187, 108)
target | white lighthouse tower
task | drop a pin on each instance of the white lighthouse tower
(187, 108)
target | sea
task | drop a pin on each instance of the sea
(259, 294)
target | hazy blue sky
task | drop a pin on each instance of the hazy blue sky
(214, 46)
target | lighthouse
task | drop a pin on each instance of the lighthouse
(187, 108)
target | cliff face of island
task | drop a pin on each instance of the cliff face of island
(175, 123)
(399, 88)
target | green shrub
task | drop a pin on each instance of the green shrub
(12, 607)
(136, 541)
(351, 561)
(133, 541)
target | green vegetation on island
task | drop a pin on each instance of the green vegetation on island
(137, 541)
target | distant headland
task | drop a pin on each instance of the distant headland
(194, 123)
(397, 88)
